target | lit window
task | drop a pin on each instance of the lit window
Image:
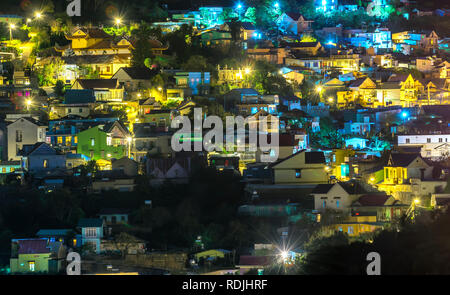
(75, 139)
(92, 141)
(108, 140)
(31, 265)
(91, 232)
(45, 164)
(298, 173)
(59, 140)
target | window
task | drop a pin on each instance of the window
(337, 203)
(45, 164)
(440, 139)
(68, 140)
(298, 173)
(80, 110)
(350, 230)
(31, 265)
(428, 140)
(91, 232)
(70, 110)
(324, 204)
(19, 135)
(92, 141)
(59, 139)
(407, 140)
(108, 140)
(75, 139)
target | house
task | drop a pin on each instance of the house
(386, 208)
(21, 132)
(65, 236)
(76, 103)
(127, 165)
(37, 256)
(408, 175)
(293, 23)
(193, 83)
(112, 180)
(113, 216)
(214, 38)
(62, 134)
(105, 65)
(356, 142)
(300, 168)
(105, 90)
(172, 169)
(105, 142)
(432, 146)
(159, 118)
(134, 78)
(151, 140)
(268, 53)
(305, 48)
(41, 159)
(7, 167)
(91, 233)
(337, 196)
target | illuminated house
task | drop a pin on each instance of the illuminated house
(37, 256)
(105, 90)
(269, 54)
(104, 141)
(293, 23)
(76, 103)
(133, 78)
(345, 63)
(347, 5)
(41, 158)
(380, 38)
(91, 233)
(407, 42)
(408, 175)
(337, 196)
(22, 132)
(300, 168)
(433, 146)
(193, 83)
(305, 48)
(325, 6)
(214, 38)
(62, 134)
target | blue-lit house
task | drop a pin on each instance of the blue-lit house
(197, 83)
(91, 233)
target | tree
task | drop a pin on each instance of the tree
(141, 52)
(195, 63)
(59, 88)
(123, 242)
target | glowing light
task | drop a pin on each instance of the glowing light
(129, 139)
(284, 255)
(38, 15)
(239, 6)
(247, 71)
(12, 26)
(404, 114)
(372, 179)
(416, 201)
(118, 21)
(330, 99)
(319, 89)
(29, 102)
(160, 89)
(277, 5)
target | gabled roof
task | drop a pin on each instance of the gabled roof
(403, 159)
(33, 246)
(81, 96)
(53, 232)
(31, 120)
(373, 200)
(139, 73)
(90, 222)
(314, 158)
(90, 32)
(322, 188)
(294, 15)
(98, 83)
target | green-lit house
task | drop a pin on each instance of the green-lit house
(37, 256)
(105, 142)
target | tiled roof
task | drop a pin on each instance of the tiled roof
(33, 246)
(314, 158)
(373, 200)
(403, 159)
(90, 222)
(98, 83)
(81, 96)
(139, 73)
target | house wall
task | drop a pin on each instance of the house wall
(36, 163)
(100, 149)
(31, 134)
(21, 264)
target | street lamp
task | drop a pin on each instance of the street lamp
(11, 27)
(330, 99)
(118, 22)
(277, 5)
(28, 103)
(38, 15)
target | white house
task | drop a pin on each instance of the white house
(337, 196)
(434, 146)
(24, 131)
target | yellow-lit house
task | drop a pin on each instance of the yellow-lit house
(105, 90)
(300, 168)
(364, 92)
(408, 175)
